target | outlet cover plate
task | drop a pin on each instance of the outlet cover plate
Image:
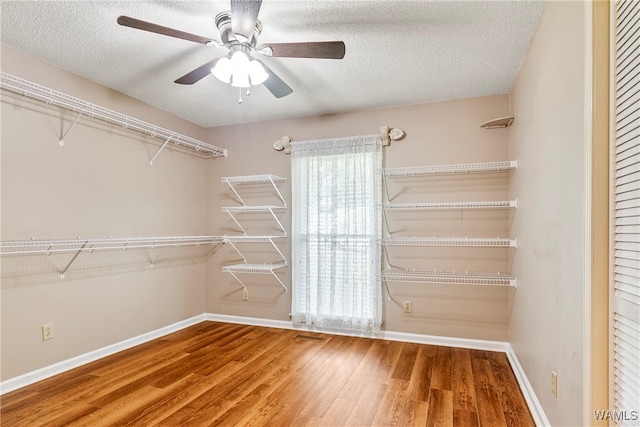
(47, 331)
(407, 306)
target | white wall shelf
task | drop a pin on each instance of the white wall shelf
(77, 246)
(390, 274)
(251, 239)
(450, 169)
(232, 211)
(448, 277)
(233, 181)
(493, 204)
(234, 241)
(84, 108)
(231, 240)
(47, 247)
(254, 269)
(265, 208)
(253, 178)
(450, 241)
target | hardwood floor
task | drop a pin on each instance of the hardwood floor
(234, 375)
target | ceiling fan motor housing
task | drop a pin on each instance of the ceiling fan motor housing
(223, 22)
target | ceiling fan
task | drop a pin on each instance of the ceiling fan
(239, 30)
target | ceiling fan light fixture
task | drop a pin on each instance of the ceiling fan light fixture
(239, 79)
(257, 73)
(223, 70)
(239, 30)
(239, 60)
(240, 66)
(240, 70)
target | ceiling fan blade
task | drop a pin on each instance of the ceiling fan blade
(127, 21)
(244, 15)
(275, 84)
(198, 74)
(324, 50)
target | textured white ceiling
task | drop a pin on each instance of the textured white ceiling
(397, 52)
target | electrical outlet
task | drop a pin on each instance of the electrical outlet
(554, 384)
(47, 331)
(406, 306)
(245, 294)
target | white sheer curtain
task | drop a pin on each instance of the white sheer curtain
(336, 225)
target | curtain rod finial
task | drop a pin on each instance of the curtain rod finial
(283, 143)
(388, 134)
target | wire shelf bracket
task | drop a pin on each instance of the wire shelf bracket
(84, 108)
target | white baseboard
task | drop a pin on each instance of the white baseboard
(60, 367)
(57, 368)
(446, 341)
(254, 321)
(529, 395)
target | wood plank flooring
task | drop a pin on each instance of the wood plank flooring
(222, 374)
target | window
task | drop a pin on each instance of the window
(336, 191)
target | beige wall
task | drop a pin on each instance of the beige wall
(98, 185)
(438, 133)
(549, 139)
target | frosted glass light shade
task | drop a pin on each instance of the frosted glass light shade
(223, 70)
(240, 70)
(257, 73)
(240, 64)
(240, 80)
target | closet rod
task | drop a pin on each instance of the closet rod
(50, 96)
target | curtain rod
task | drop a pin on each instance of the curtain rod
(387, 135)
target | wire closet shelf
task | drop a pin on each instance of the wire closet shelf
(484, 242)
(451, 169)
(246, 267)
(448, 277)
(48, 247)
(494, 204)
(233, 181)
(84, 108)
